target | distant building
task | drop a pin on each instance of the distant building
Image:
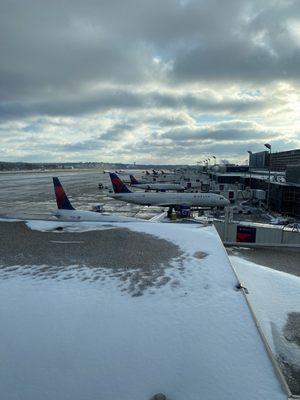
(279, 161)
(259, 160)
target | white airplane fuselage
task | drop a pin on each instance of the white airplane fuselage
(82, 215)
(173, 199)
(160, 178)
(159, 186)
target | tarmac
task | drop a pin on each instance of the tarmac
(281, 260)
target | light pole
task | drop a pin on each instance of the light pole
(206, 161)
(268, 146)
(250, 153)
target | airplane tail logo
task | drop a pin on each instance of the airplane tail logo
(133, 180)
(118, 185)
(62, 200)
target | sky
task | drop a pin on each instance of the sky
(148, 81)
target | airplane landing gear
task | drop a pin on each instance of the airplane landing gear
(170, 211)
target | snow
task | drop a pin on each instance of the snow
(83, 339)
(48, 226)
(273, 295)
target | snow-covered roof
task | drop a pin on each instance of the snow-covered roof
(191, 336)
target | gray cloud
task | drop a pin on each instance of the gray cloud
(257, 47)
(122, 99)
(62, 48)
(232, 131)
(115, 133)
(109, 99)
(221, 134)
(136, 65)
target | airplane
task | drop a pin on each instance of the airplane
(165, 199)
(119, 172)
(155, 186)
(66, 212)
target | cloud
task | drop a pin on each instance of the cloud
(115, 133)
(134, 99)
(78, 75)
(226, 131)
(258, 46)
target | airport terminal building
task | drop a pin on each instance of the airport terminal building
(284, 197)
(279, 161)
(285, 178)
